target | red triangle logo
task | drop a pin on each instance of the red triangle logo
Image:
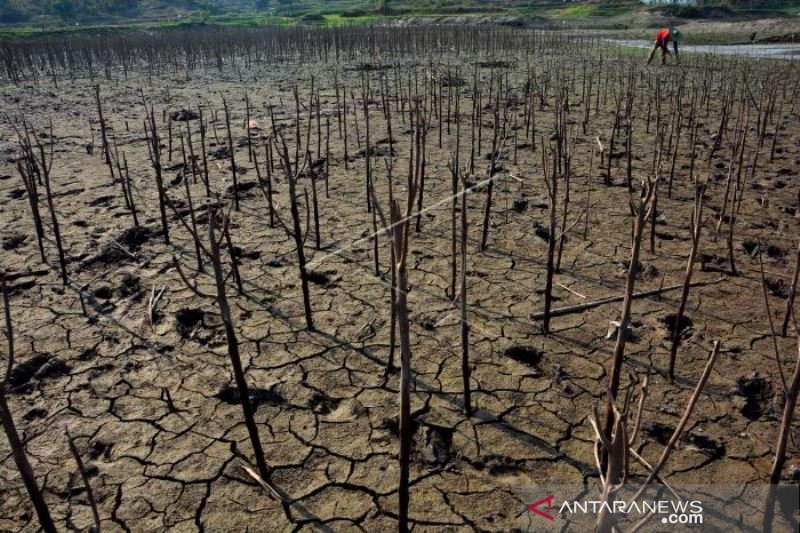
(534, 506)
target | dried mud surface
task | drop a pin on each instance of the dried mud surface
(153, 407)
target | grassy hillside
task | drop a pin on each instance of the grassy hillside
(54, 12)
(34, 15)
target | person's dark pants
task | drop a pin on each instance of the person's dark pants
(664, 52)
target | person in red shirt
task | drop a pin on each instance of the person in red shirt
(663, 37)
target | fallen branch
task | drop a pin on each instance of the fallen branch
(611, 299)
(270, 489)
(13, 276)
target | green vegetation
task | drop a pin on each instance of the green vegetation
(22, 17)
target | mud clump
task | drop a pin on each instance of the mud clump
(706, 445)
(434, 445)
(16, 194)
(520, 205)
(541, 232)
(183, 115)
(524, 354)
(101, 201)
(774, 252)
(103, 293)
(14, 241)
(501, 465)
(223, 152)
(129, 287)
(392, 425)
(495, 64)
(33, 414)
(325, 279)
(244, 188)
(258, 396)
(642, 271)
(322, 404)
(777, 287)
(684, 325)
(98, 448)
(368, 67)
(757, 392)
(38, 368)
(187, 320)
(240, 253)
(131, 240)
(660, 432)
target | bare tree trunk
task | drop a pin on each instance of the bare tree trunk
(233, 350)
(642, 211)
(14, 442)
(466, 371)
(232, 156)
(552, 189)
(697, 225)
(297, 234)
(789, 405)
(792, 294)
(85, 477)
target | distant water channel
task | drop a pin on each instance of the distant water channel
(773, 51)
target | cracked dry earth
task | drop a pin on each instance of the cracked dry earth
(153, 407)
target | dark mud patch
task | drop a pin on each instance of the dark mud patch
(526, 355)
(325, 279)
(14, 241)
(38, 368)
(392, 425)
(223, 152)
(99, 448)
(434, 445)
(368, 67)
(101, 201)
(712, 448)
(119, 250)
(541, 231)
(187, 319)
(520, 205)
(35, 413)
(777, 287)
(258, 396)
(712, 263)
(322, 404)
(245, 188)
(22, 286)
(449, 79)
(375, 150)
(684, 325)
(757, 393)
(103, 293)
(240, 253)
(495, 64)
(661, 433)
(129, 286)
(16, 194)
(643, 271)
(183, 115)
(425, 322)
(502, 466)
(774, 252)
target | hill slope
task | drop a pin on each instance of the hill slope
(107, 11)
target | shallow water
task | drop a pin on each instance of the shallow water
(774, 51)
